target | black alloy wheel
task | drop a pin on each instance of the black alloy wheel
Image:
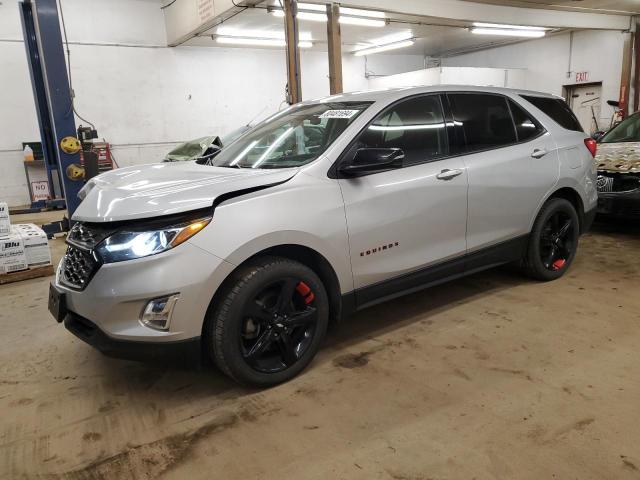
(553, 241)
(278, 325)
(557, 241)
(268, 322)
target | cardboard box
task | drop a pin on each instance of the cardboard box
(5, 221)
(12, 254)
(36, 244)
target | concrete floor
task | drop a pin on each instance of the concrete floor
(489, 377)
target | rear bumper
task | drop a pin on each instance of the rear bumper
(182, 351)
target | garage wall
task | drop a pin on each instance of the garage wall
(144, 97)
(548, 60)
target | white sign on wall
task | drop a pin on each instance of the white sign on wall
(40, 191)
(205, 10)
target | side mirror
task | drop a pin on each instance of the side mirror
(598, 135)
(368, 160)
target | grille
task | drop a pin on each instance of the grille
(78, 267)
(618, 183)
(605, 184)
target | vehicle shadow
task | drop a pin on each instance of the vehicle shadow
(421, 306)
(618, 225)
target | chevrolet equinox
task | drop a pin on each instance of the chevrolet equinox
(325, 208)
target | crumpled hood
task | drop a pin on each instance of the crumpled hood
(621, 157)
(165, 188)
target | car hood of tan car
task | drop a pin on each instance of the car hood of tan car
(623, 157)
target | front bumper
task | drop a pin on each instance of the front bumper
(114, 299)
(184, 352)
(620, 204)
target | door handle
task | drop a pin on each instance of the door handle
(448, 174)
(539, 153)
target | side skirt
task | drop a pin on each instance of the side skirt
(499, 254)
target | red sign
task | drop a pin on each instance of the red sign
(582, 77)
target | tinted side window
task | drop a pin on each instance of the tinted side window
(484, 120)
(526, 126)
(415, 125)
(557, 109)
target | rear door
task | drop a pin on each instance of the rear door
(408, 218)
(511, 162)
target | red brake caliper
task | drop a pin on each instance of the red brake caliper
(558, 264)
(304, 290)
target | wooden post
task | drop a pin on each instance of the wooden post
(636, 73)
(294, 80)
(625, 78)
(334, 39)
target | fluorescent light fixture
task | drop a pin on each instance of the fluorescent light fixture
(383, 48)
(506, 32)
(510, 27)
(387, 39)
(260, 42)
(310, 16)
(348, 16)
(356, 12)
(363, 22)
(248, 33)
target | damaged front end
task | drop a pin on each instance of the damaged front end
(618, 184)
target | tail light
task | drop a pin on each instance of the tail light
(591, 145)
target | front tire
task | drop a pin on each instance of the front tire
(269, 322)
(553, 242)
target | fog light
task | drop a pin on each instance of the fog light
(157, 313)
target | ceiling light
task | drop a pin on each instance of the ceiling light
(363, 22)
(248, 33)
(383, 48)
(361, 13)
(312, 17)
(509, 32)
(393, 38)
(511, 27)
(262, 42)
(348, 16)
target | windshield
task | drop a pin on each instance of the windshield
(291, 138)
(626, 131)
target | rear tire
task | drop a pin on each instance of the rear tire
(268, 323)
(553, 241)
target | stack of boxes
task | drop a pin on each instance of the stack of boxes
(22, 246)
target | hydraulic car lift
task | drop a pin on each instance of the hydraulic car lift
(54, 107)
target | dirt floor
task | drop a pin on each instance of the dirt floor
(489, 377)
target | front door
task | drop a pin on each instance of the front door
(403, 220)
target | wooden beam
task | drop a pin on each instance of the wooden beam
(294, 79)
(636, 72)
(334, 39)
(625, 77)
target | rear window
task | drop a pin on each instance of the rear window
(557, 109)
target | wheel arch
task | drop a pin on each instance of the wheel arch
(573, 197)
(305, 255)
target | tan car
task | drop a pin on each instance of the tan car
(618, 163)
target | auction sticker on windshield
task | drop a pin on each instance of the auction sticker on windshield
(339, 113)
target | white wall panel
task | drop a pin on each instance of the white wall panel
(547, 62)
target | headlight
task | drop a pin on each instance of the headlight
(127, 245)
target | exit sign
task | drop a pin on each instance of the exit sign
(582, 77)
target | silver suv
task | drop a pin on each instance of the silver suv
(327, 207)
